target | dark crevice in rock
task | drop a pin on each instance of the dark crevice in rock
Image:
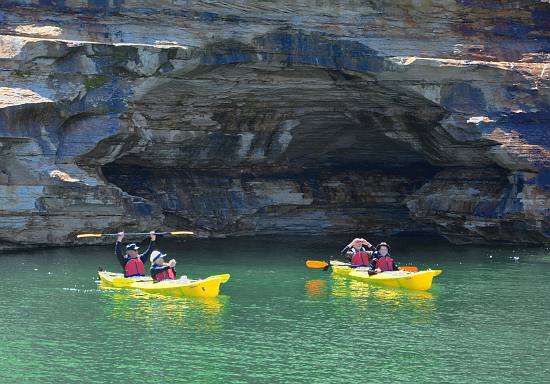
(234, 202)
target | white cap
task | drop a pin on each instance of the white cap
(155, 255)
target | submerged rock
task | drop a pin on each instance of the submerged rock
(275, 117)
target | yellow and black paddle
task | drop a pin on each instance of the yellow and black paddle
(317, 264)
(82, 235)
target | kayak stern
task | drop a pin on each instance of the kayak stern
(117, 280)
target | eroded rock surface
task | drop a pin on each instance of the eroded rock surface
(247, 117)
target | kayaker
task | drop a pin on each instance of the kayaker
(161, 270)
(357, 253)
(381, 259)
(133, 263)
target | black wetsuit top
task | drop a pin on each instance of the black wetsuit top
(123, 258)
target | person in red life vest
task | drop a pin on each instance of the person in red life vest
(357, 253)
(161, 270)
(133, 263)
(381, 259)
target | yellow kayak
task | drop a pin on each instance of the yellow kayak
(117, 280)
(208, 287)
(421, 280)
(343, 269)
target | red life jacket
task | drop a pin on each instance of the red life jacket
(360, 259)
(134, 267)
(167, 274)
(384, 263)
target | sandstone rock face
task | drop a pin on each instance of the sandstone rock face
(246, 117)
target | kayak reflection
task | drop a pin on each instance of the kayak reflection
(149, 309)
(374, 303)
(316, 288)
(344, 286)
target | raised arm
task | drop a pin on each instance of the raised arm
(152, 244)
(118, 249)
(366, 244)
(344, 251)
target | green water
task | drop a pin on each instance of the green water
(485, 320)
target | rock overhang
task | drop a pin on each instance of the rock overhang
(274, 101)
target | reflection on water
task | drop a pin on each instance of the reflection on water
(281, 323)
(419, 305)
(316, 288)
(205, 313)
(344, 286)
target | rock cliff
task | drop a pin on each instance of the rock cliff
(245, 117)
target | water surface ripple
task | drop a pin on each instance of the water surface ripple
(486, 319)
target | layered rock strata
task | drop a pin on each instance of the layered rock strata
(257, 117)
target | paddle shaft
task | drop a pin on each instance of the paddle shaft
(135, 233)
(316, 264)
(83, 235)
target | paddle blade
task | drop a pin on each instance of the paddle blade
(181, 233)
(88, 235)
(408, 268)
(316, 264)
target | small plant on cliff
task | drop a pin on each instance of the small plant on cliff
(97, 81)
(19, 73)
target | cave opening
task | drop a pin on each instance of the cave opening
(252, 150)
